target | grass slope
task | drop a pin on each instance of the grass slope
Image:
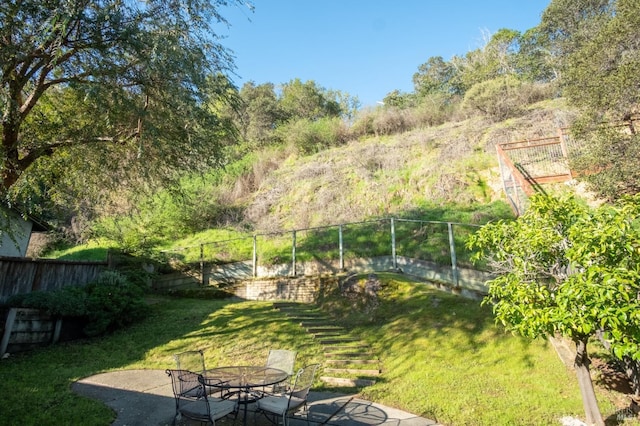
(444, 358)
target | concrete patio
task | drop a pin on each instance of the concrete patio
(145, 398)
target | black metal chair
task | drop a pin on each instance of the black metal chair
(193, 361)
(294, 400)
(282, 359)
(192, 401)
(190, 360)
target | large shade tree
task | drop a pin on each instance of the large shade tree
(99, 92)
(565, 269)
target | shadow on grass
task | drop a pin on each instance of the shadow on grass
(36, 385)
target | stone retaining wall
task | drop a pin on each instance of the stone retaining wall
(303, 289)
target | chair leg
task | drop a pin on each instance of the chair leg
(306, 411)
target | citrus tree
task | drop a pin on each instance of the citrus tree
(566, 269)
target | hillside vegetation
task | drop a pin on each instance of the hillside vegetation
(142, 162)
(405, 174)
(444, 172)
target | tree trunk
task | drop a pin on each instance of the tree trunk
(589, 401)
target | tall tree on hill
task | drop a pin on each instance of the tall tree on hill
(435, 77)
(496, 58)
(567, 25)
(534, 61)
(307, 100)
(107, 91)
(599, 54)
(261, 112)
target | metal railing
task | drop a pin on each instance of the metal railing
(335, 248)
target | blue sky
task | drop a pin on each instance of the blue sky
(366, 48)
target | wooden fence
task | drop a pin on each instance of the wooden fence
(527, 164)
(23, 275)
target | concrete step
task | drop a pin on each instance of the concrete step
(341, 349)
(349, 383)
(352, 361)
(348, 347)
(325, 328)
(348, 355)
(328, 334)
(338, 340)
(299, 314)
(318, 323)
(353, 371)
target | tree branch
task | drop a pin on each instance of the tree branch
(49, 149)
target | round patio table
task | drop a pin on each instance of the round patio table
(241, 380)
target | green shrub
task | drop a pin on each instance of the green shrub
(208, 293)
(66, 302)
(498, 99)
(435, 109)
(113, 302)
(363, 125)
(108, 303)
(69, 302)
(310, 136)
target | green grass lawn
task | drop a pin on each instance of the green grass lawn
(445, 359)
(442, 357)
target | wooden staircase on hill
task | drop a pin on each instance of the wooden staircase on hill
(348, 362)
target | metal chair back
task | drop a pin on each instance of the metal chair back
(282, 359)
(192, 401)
(301, 386)
(190, 360)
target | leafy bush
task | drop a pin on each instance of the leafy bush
(497, 98)
(435, 109)
(66, 302)
(108, 303)
(363, 125)
(207, 293)
(310, 136)
(392, 120)
(113, 302)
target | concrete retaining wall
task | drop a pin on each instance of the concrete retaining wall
(278, 282)
(303, 289)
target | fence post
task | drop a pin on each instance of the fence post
(341, 247)
(255, 256)
(293, 253)
(565, 152)
(454, 261)
(202, 265)
(393, 244)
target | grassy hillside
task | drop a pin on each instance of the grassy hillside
(402, 175)
(447, 172)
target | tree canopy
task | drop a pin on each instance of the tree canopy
(563, 268)
(90, 87)
(597, 50)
